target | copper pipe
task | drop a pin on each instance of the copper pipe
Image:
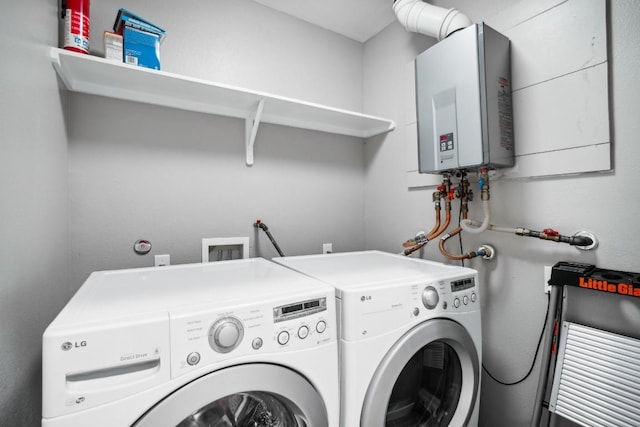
(408, 252)
(437, 225)
(454, 233)
(447, 221)
(464, 210)
(445, 189)
(430, 236)
(437, 196)
(448, 254)
(442, 193)
(411, 242)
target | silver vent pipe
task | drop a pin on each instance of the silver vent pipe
(420, 17)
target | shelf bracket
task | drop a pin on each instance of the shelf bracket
(251, 129)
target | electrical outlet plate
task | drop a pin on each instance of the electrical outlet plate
(327, 248)
(161, 260)
(224, 248)
(547, 277)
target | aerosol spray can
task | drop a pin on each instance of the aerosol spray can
(76, 25)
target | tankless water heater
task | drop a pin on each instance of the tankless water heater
(463, 97)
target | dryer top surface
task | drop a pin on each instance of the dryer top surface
(352, 271)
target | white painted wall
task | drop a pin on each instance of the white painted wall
(242, 43)
(175, 177)
(33, 204)
(512, 299)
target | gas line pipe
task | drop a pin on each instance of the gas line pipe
(582, 240)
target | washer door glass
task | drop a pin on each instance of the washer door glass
(428, 388)
(252, 409)
(253, 395)
(429, 378)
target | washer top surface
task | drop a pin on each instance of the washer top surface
(358, 270)
(111, 294)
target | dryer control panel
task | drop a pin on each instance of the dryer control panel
(381, 309)
(463, 292)
(204, 337)
(446, 296)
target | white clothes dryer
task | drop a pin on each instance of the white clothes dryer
(231, 343)
(410, 338)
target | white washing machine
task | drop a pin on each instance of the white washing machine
(232, 343)
(410, 338)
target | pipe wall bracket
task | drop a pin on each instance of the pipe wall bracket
(593, 238)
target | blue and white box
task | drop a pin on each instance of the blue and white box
(141, 48)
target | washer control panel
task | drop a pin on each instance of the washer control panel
(201, 337)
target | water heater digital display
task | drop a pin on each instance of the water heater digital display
(463, 97)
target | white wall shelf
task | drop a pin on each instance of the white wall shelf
(98, 76)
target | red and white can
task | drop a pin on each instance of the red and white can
(76, 26)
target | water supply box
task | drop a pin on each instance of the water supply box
(141, 48)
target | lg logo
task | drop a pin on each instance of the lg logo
(66, 346)
(364, 298)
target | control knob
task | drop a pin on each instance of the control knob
(321, 326)
(303, 332)
(226, 334)
(283, 337)
(430, 297)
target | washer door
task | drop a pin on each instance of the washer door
(252, 395)
(429, 378)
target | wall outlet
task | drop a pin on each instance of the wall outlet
(547, 277)
(327, 248)
(162, 260)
